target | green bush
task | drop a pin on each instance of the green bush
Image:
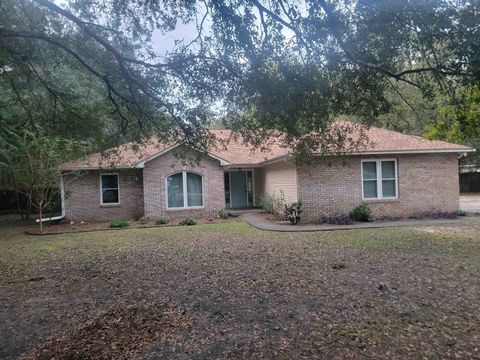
(362, 213)
(143, 220)
(416, 215)
(461, 212)
(274, 203)
(188, 222)
(161, 221)
(223, 214)
(118, 223)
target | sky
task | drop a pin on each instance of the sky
(164, 42)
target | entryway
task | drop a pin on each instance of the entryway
(239, 189)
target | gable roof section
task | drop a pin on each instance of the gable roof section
(122, 157)
(381, 141)
(388, 141)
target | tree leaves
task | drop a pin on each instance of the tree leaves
(282, 66)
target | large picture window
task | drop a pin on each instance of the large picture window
(379, 178)
(109, 189)
(184, 190)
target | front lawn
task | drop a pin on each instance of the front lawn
(230, 291)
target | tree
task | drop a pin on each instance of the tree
(459, 122)
(32, 160)
(289, 66)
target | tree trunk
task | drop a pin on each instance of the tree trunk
(19, 207)
(28, 211)
(40, 210)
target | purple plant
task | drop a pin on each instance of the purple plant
(336, 219)
(438, 214)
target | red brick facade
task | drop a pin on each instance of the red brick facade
(154, 185)
(328, 185)
(82, 200)
(425, 182)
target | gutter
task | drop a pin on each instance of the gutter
(62, 197)
(393, 152)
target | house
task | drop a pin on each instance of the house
(396, 174)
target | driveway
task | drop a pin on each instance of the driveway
(470, 202)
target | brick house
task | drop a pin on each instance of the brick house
(396, 174)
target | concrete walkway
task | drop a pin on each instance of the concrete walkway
(470, 202)
(262, 224)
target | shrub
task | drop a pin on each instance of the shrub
(223, 214)
(188, 222)
(161, 221)
(118, 224)
(273, 203)
(461, 212)
(438, 214)
(143, 220)
(416, 215)
(293, 211)
(362, 213)
(336, 219)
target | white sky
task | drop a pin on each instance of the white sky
(162, 43)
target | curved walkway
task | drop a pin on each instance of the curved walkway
(260, 223)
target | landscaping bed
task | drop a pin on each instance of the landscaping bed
(346, 219)
(83, 226)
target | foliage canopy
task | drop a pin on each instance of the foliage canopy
(289, 66)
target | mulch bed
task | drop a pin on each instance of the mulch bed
(63, 228)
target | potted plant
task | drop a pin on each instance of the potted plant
(293, 211)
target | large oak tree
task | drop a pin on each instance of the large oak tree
(286, 65)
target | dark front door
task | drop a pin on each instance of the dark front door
(238, 189)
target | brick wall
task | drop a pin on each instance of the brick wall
(154, 185)
(82, 202)
(425, 182)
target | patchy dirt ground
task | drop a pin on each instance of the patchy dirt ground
(230, 291)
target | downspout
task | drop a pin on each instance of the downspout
(62, 200)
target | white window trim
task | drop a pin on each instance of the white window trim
(117, 188)
(379, 179)
(185, 194)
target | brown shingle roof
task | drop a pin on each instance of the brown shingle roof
(383, 140)
(124, 156)
(237, 152)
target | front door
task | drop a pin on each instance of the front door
(238, 189)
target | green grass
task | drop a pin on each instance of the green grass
(14, 243)
(256, 277)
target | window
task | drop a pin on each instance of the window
(379, 179)
(184, 190)
(109, 189)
